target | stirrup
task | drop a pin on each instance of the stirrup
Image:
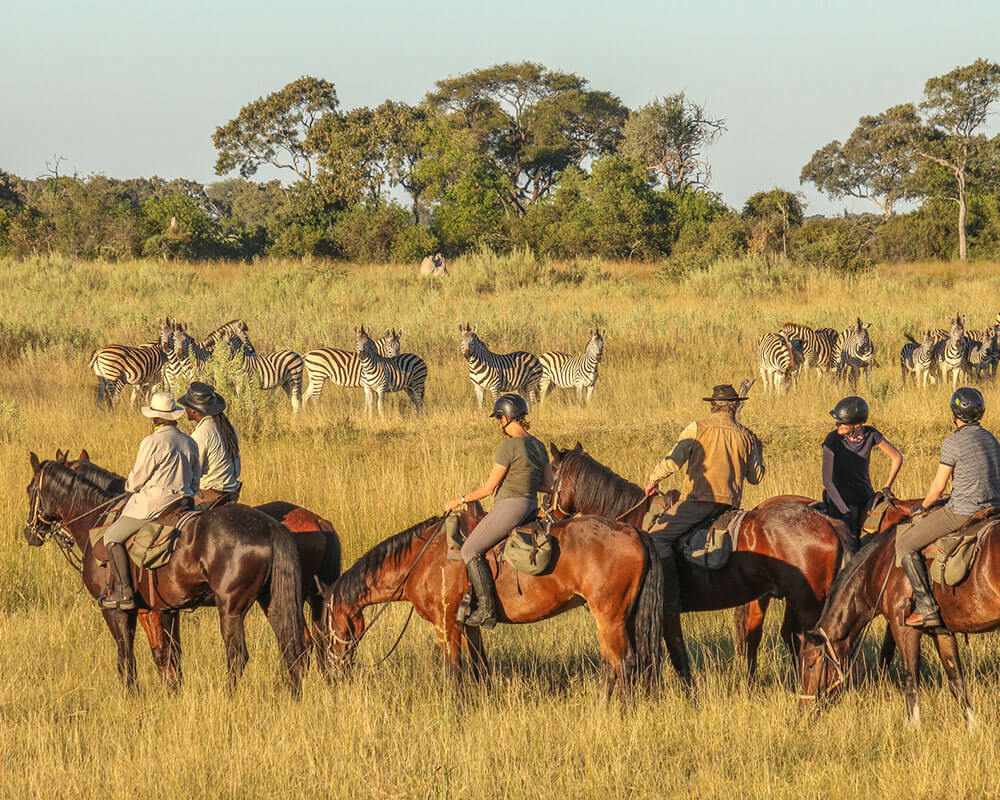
(932, 622)
(464, 608)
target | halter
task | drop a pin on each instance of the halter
(554, 505)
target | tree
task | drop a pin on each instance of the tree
(275, 130)
(957, 105)
(875, 163)
(772, 215)
(668, 137)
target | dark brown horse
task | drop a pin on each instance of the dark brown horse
(315, 541)
(873, 585)
(609, 566)
(785, 549)
(229, 557)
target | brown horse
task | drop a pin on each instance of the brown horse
(610, 567)
(785, 549)
(318, 549)
(229, 557)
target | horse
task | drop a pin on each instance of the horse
(873, 585)
(785, 548)
(229, 557)
(318, 549)
(609, 566)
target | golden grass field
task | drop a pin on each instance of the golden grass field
(67, 730)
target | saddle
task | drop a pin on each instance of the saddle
(153, 544)
(529, 548)
(712, 543)
(950, 558)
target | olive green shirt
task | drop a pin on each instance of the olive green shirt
(525, 459)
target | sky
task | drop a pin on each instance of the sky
(130, 89)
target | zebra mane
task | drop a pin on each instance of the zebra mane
(598, 489)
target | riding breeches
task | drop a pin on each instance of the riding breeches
(932, 527)
(681, 517)
(123, 529)
(492, 529)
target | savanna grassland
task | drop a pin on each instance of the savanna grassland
(399, 731)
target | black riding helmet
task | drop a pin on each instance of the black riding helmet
(512, 406)
(851, 410)
(967, 404)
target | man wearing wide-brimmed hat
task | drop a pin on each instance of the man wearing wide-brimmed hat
(218, 446)
(718, 455)
(166, 470)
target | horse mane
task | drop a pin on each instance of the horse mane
(352, 584)
(102, 478)
(72, 484)
(847, 582)
(598, 488)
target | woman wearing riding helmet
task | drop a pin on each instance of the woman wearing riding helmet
(847, 485)
(521, 469)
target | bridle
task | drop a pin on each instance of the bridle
(829, 659)
(555, 509)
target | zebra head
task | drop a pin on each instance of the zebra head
(958, 326)
(363, 345)
(595, 347)
(166, 335)
(468, 340)
(388, 345)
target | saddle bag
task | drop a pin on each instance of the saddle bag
(530, 551)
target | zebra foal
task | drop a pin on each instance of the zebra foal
(916, 359)
(380, 375)
(572, 372)
(495, 373)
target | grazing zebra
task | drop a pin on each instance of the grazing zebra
(282, 368)
(342, 367)
(118, 365)
(917, 359)
(572, 372)
(380, 375)
(984, 351)
(491, 372)
(854, 353)
(817, 348)
(779, 360)
(952, 354)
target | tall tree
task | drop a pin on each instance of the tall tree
(275, 130)
(669, 136)
(772, 215)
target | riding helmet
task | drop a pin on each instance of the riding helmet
(851, 410)
(512, 406)
(967, 404)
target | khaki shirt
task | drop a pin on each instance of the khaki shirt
(218, 471)
(166, 469)
(720, 454)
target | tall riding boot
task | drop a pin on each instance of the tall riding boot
(122, 596)
(926, 613)
(671, 584)
(484, 615)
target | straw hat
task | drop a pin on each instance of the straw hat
(162, 406)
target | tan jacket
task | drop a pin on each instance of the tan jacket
(720, 454)
(166, 469)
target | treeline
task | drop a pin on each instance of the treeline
(520, 156)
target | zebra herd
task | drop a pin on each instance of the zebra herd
(958, 353)
(782, 354)
(375, 365)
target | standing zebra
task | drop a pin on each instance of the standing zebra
(342, 367)
(572, 372)
(282, 368)
(380, 375)
(984, 351)
(178, 371)
(817, 348)
(779, 360)
(231, 333)
(917, 359)
(118, 365)
(952, 354)
(493, 372)
(854, 353)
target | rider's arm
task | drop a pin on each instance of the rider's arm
(492, 482)
(755, 469)
(828, 483)
(144, 465)
(677, 458)
(895, 459)
(938, 485)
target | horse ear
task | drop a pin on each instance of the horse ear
(60, 456)
(35, 463)
(578, 446)
(84, 455)
(474, 328)
(556, 452)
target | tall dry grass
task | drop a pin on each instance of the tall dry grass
(67, 730)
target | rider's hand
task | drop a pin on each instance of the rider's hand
(651, 488)
(887, 494)
(454, 503)
(917, 510)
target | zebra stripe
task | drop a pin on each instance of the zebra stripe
(854, 353)
(342, 367)
(380, 375)
(917, 359)
(779, 360)
(118, 365)
(984, 351)
(491, 372)
(572, 372)
(817, 348)
(951, 354)
(282, 368)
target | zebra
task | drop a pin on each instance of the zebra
(342, 367)
(572, 372)
(817, 348)
(952, 354)
(779, 360)
(984, 351)
(380, 375)
(519, 371)
(177, 369)
(917, 359)
(282, 368)
(118, 365)
(854, 353)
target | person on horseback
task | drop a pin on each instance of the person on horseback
(521, 469)
(970, 458)
(218, 446)
(166, 469)
(847, 484)
(718, 455)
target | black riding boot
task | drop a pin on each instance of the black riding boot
(484, 615)
(926, 613)
(671, 584)
(122, 596)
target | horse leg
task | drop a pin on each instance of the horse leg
(790, 630)
(450, 639)
(320, 644)
(616, 655)
(909, 650)
(122, 626)
(153, 626)
(947, 648)
(677, 650)
(171, 621)
(888, 650)
(477, 656)
(234, 639)
(749, 627)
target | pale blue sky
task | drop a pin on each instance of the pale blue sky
(136, 88)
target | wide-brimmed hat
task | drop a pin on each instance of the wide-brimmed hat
(201, 397)
(162, 406)
(724, 391)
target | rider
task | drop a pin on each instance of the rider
(970, 457)
(719, 455)
(521, 469)
(847, 485)
(166, 469)
(218, 446)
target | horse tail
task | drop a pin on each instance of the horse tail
(848, 545)
(330, 569)
(741, 617)
(284, 610)
(647, 620)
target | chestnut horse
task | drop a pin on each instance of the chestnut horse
(229, 557)
(609, 566)
(319, 559)
(785, 549)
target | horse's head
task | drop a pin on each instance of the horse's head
(561, 503)
(43, 516)
(342, 627)
(821, 667)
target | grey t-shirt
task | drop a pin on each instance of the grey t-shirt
(974, 455)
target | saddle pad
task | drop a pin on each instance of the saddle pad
(711, 545)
